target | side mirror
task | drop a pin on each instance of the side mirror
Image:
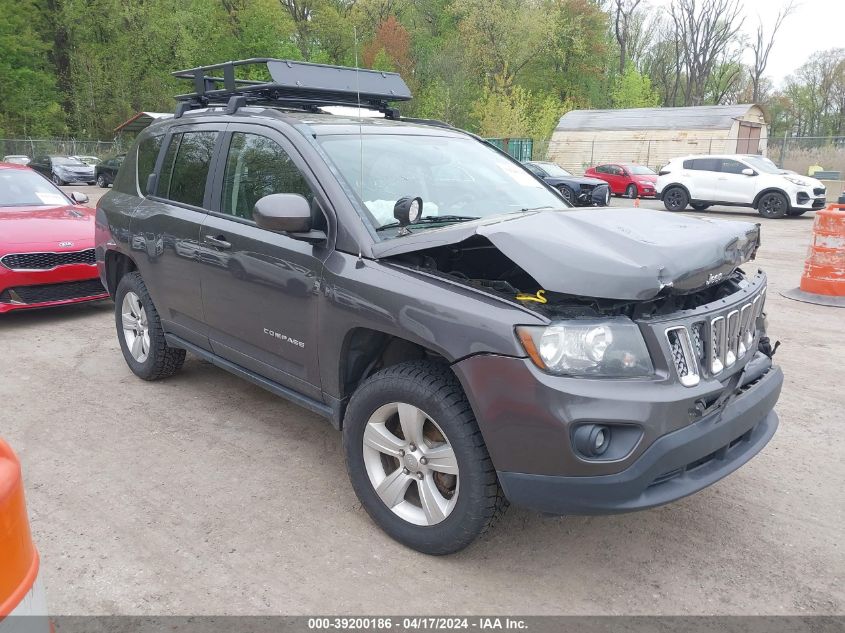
(749, 172)
(286, 213)
(78, 197)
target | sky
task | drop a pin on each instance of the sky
(815, 25)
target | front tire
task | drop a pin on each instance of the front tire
(140, 333)
(58, 181)
(417, 461)
(675, 199)
(101, 182)
(631, 191)
(567, 194)
(773, 206)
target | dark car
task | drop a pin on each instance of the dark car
(582, 191)
(475, 339)
(105, 172)
(63, 170)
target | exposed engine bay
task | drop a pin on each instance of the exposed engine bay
(477, 263)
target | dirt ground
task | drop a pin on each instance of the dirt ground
(203, 494)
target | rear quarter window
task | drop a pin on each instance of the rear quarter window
(148, 150)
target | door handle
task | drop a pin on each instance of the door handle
(219, 241)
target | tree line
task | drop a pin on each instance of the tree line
(498, 67)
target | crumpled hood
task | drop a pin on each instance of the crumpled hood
(625, 254)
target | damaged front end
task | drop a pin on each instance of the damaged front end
(595, 274)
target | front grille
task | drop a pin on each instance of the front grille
(715, 344)
(45, 293)
(819, 191)
(47, 261)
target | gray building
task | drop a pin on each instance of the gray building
(653, 136)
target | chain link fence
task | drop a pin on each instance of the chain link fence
(797, 153)
(59, 147)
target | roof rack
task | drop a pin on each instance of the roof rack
(293, 84)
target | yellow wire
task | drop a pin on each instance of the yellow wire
(540, 297)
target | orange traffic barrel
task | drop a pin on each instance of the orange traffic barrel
(823, 280)
(21, 591)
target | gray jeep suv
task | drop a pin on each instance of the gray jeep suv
(476, 340)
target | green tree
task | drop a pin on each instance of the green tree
(29, 96)
(633, 90)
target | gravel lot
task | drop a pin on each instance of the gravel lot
(203, 494)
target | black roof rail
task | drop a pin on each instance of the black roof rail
(293, 84)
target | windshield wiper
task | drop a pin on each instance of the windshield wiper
(432, 219)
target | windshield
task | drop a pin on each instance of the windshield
(66, 160)
(21, 188)
(453, 176)
(639, 170)
(762, 164)
(553, 170)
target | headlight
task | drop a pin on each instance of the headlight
(596, 347)
(797, 181)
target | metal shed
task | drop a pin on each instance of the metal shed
(653, 136)
(140, 121)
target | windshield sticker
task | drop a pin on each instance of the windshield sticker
(51, 198)
(518, 175)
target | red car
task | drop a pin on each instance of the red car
(631, 181)
(46, 243)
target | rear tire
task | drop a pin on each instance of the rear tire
(140, 333)
(401, 421)
(700, 206)
(773, 205)
(631, 191)
(675, 199)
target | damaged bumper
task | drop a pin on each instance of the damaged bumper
(667, 448)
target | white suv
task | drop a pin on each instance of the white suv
(747, 181)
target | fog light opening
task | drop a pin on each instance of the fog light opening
(592, 440)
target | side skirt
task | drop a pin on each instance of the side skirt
(333, 413)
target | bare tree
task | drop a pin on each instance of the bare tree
(622, 23)
(704, 30)
(761, 47)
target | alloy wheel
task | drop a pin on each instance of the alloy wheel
(411, 464)
(675, 199)
(136, 328)
(567, 194)
(772, 206)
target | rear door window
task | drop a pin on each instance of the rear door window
(703, 164)
(190, 169)
(184, 170)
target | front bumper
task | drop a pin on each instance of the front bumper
(808, 199)
(539, 469)
(30, 289)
